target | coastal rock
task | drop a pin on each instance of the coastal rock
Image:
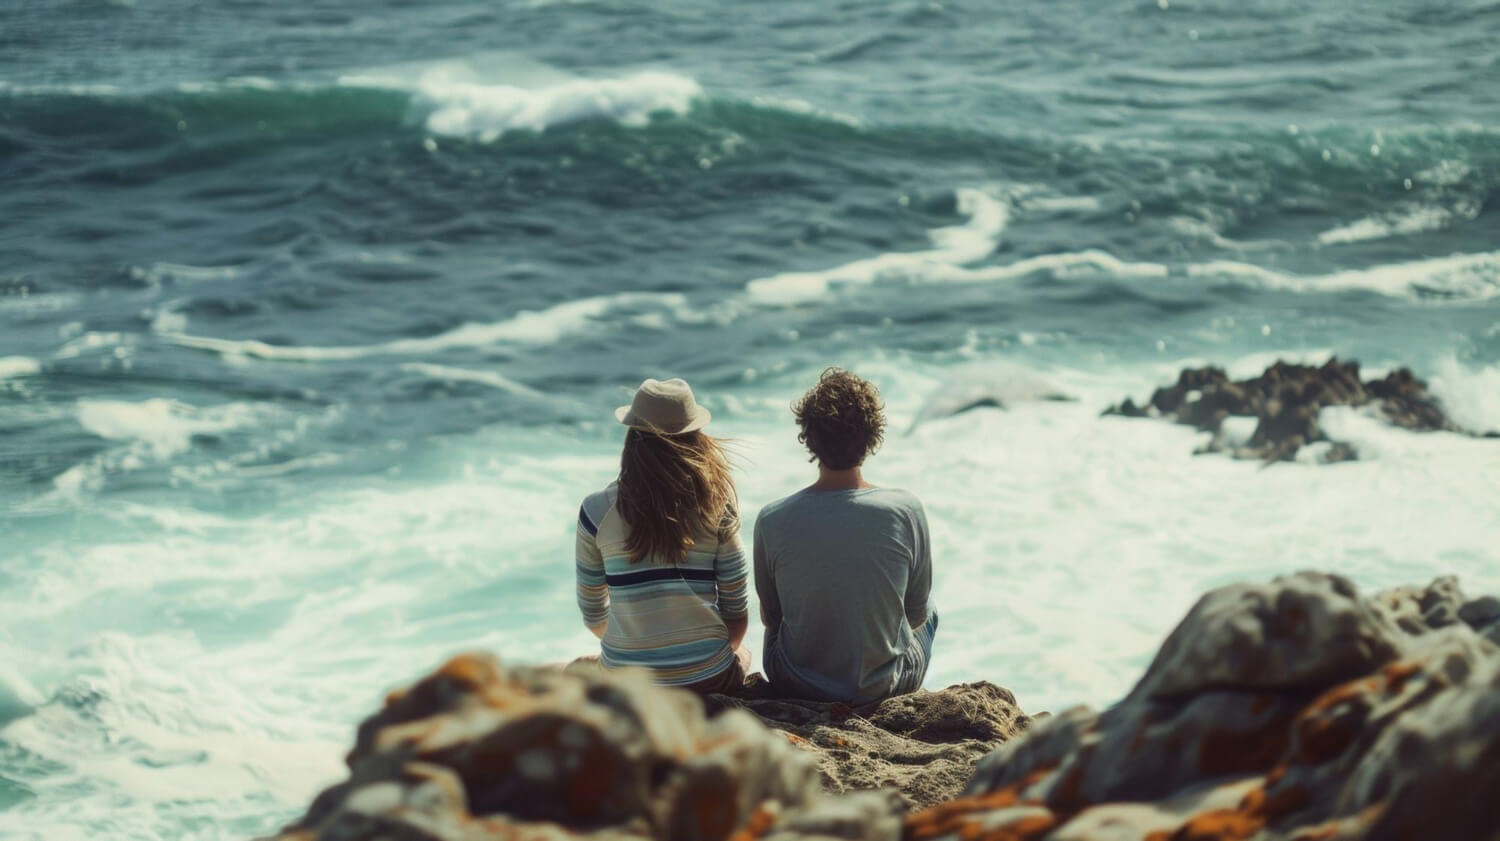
(923, 745)
(477, 751)
(1285, 402)
(1293, 710)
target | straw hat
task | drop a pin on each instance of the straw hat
(665, 407)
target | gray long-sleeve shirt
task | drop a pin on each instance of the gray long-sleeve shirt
(843, 577)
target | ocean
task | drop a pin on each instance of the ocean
(313, 315)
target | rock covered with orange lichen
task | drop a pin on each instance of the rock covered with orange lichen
(1289, 711)
(481, 752)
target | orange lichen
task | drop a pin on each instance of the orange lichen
(1256, 810)
(1397, 674)
(759, 823)
(953, 816)
(469, 670)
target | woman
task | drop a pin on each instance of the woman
(661, 574)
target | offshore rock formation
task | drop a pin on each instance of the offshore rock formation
(1288, 711)
(1285, 401)
(923, 745)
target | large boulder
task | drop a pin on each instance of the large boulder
(481, 752)
(1294, 710)
(1285, 401)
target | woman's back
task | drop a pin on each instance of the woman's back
(669, 618)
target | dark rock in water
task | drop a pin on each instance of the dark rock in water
(1293, 710)
(924, 745)
(1286, 400)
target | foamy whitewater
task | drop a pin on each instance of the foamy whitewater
(308, 353)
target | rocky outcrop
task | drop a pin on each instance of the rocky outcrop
(481, 752)
(1285, 402)
(1289, 710)
(1293, 710)
(924, 745)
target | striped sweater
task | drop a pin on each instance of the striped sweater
(664, 617)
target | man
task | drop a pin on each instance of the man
(844, 568)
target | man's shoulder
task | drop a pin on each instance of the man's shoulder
(898, 499)
(776, 508)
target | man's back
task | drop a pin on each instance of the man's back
(843, 577)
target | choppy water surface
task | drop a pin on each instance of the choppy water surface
(311, 316)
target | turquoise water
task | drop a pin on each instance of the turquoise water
(312, 316)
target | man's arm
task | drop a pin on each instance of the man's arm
(593, 590)
(732, 578)
(919, 583)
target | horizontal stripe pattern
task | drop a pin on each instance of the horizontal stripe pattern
(669, 618)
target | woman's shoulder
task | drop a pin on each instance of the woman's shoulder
(597, 505)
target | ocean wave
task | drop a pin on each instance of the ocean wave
(13, 367)
(484, 111)
(952, 246)
(165, 427)
(1092, 262)
(528, 327)
(1414, 221)
(1470, 393)
(492, 379)
(1460, 276)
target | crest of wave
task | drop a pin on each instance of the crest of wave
(462, 105)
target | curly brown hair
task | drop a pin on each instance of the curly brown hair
(842, 419)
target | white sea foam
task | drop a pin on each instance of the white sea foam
(493, 379)
(1465, 276)
(459, 105)
(1065, 548)
(1061, 204)
(156, 273)
(1413, 221)
(1470, 394)
(13, 367)
(528, 327)
(165, 426)
(1062, 266)
(952, 246)
(17, 696)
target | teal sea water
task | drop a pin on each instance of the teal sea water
(312, 315)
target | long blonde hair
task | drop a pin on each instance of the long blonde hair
(674, 489)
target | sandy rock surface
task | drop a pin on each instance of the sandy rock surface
(924, 745)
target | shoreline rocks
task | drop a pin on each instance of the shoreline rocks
(1293, 710)
(923, 745)
(1285, 401)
